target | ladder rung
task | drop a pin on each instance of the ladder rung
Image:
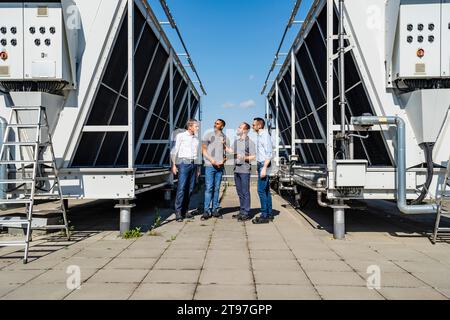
(15, 201)
(13, 222)
(27, 144)
(13, 243)
(21, 144)
(17, 181)
(49, 227)
(6, 162)
(19, 125)
(19, 108)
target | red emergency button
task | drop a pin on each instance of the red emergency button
(420, 53)
(4, 55)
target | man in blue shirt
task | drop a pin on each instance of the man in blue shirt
(264, 154)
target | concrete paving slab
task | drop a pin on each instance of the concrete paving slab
(7, 288)
(141, 253)
(333, 278)
(227, 262)
(171, 276)
(166, 291)
(272, 254)
(83, 262)
(176, 253)
(118, 276)
(131, 263)
(18, 276)
(276, 276)
(179, 264)
(363, 265)
(398, 279)
(411, 294)
(436, 280)
(324, 265)
(348, 293)
(286, 292)
(55, 291)
(280, 265)
(103, 291)
(225, 292)
(61, 276)
(226, 277)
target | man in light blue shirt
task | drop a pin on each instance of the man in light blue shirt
(264, 154)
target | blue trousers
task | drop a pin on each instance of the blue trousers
(213, 178)
(264, 194)
(242, 181)
(186, 183)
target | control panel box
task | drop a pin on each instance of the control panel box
(350, 173)
(419, 40)
(11, 41)
(39, 51)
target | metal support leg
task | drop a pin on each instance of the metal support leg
(339, 223)
(125, 215)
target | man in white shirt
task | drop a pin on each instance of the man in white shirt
(264, 154)
(185, 159)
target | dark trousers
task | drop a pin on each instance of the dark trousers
(242, 181)
(186, 183)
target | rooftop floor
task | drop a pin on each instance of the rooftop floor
(293, 258)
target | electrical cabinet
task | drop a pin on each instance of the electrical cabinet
(11, 41)
(32, 42)
(419, 40)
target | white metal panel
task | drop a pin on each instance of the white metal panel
(99, 26)
(43, 41)
(98, 185)
(11, 17)
(419, 29)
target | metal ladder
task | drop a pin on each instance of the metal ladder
(31, 177)
(444, 207)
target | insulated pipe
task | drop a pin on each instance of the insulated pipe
(3, 171)
(401, 162)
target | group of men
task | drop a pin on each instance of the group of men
(216, 150)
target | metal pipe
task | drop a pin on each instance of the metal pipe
(342, 66)
(320, 202)
(339, 223)
(401, 162)
(3, 171)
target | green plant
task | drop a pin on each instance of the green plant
(158, 220)
(132, 234)
(172, 239)
(154, 233)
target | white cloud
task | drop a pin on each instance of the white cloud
(247, 104)
(228, 105)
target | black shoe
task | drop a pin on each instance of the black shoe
(179, 217)
(216, 214)
(261, 221)
(205, 216)
(236, 216)
(189, 216)
(243, 218)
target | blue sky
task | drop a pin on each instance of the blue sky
(232, 43)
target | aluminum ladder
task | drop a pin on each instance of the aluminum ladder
(29, 176)
(444, 207)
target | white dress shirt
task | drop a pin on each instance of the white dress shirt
(186, 147)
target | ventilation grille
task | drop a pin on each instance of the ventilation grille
(420, 68)
(42, 11)
(4, 71)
